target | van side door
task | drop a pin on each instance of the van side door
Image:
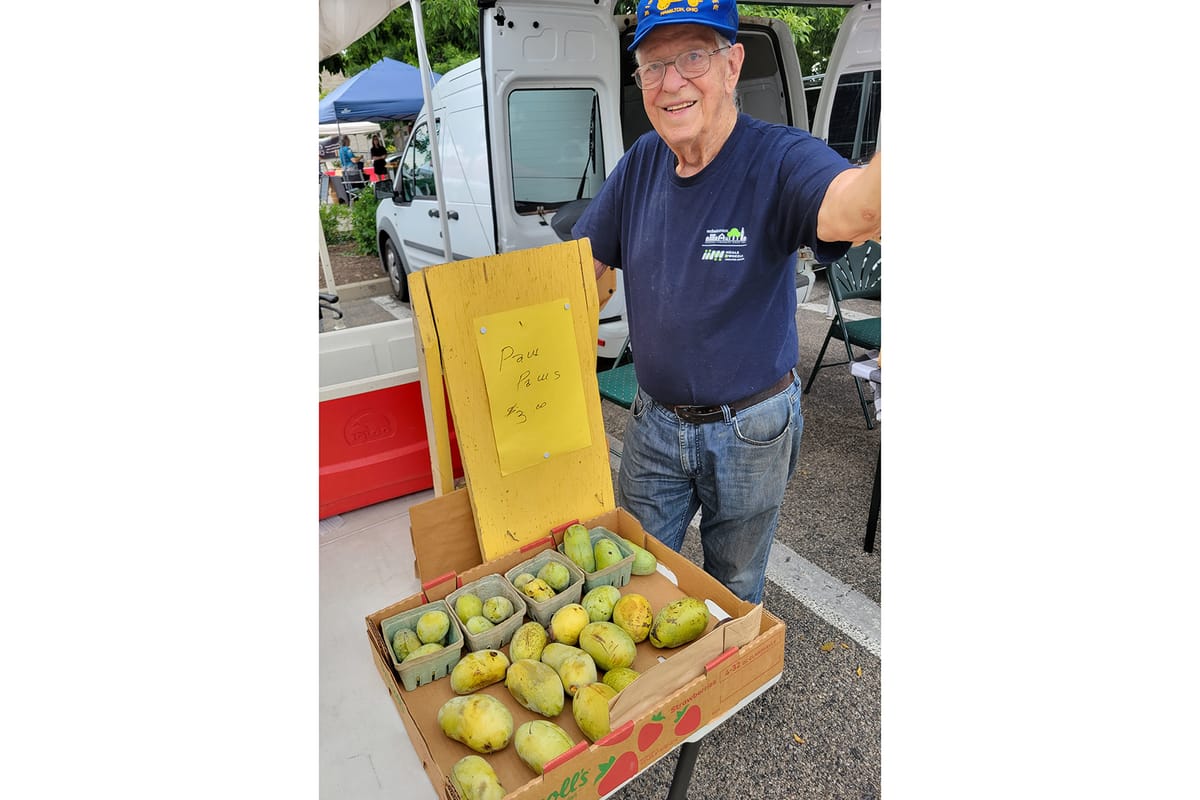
(847, 115)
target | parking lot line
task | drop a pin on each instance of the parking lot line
(842, 606)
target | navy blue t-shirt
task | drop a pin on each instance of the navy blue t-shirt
(709, 260)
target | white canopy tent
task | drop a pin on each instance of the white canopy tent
(344, 21)
(347, 128)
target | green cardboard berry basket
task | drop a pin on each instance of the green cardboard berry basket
(542, 611)
(618, 574)
(485, 588)
(428, 668)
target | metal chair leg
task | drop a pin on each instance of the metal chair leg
(862, 398)
(817, 363)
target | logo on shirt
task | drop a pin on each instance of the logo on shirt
(725, 237)
(717, 240)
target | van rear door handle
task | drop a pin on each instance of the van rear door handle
(433, 212)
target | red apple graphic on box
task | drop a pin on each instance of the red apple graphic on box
(613, 774)
(687, 720)
(650, 731)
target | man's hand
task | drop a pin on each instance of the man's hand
(606, 282)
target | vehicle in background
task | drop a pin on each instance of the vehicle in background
(812, 92)
(848, 106)
(494, 205)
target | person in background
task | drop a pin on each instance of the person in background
(378, 152)
(402, 131)
(347, 157)
(705, 215)
(321, 169)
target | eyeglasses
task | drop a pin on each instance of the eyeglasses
(691, 64)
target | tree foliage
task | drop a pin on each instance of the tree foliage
(452, 35)
(451, 38)
(814, 30)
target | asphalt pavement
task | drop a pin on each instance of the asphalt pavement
(816, 733)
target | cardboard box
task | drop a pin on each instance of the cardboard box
(679, 691)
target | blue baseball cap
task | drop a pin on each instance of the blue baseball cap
(720, 15)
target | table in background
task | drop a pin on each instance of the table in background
(867, 368)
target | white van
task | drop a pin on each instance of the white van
(539, 121)
(847, 111)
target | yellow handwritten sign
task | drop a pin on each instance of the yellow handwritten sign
(530, 363)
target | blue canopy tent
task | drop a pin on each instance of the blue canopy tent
(387, 89)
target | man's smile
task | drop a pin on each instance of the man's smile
(679, 106)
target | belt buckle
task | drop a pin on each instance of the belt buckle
(697, 414)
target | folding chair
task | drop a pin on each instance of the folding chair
(619, 383)
(854, 276)
(353, 181)
(339, 189)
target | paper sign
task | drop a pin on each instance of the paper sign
(530, 366)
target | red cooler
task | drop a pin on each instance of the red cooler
(373, 445)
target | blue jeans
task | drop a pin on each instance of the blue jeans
(736, 469)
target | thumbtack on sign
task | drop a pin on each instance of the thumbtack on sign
(483, 330)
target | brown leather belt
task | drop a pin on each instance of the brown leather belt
(700, 414)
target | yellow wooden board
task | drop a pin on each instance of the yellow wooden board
(433, 397)
(573, 482)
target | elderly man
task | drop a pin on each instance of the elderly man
(705, 215)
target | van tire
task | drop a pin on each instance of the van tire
(395, 271)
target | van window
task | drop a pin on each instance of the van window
(854, 115)
(416, 169)
(558, 154)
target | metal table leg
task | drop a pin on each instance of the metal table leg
(683, 770)
(873, 514)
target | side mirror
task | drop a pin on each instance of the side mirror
(383, 189)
